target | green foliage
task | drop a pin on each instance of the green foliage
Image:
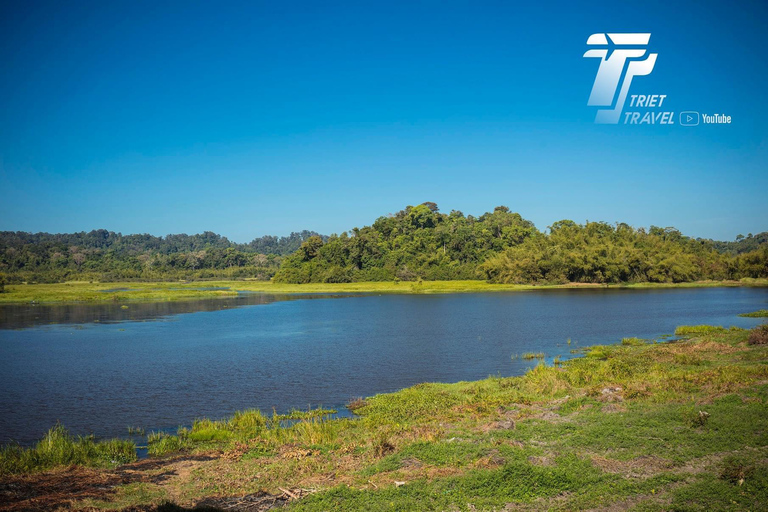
(743, 244)
(502, 247)
(761, 313)
(107, 256)
(598, 252)
(59, 448)
(416, 243)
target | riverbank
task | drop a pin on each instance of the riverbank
(81, 291)
(641, 425)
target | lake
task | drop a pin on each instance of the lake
(101, 368)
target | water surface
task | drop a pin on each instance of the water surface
(100, 368)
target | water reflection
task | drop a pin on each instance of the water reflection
(22, 316)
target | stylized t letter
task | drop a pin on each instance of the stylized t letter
(612, 65)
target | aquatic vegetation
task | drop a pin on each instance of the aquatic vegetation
(533, 355)
(690, 330)
(761, 313)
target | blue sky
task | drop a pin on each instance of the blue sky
(249, 118)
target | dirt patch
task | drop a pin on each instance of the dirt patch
(56, 489)
(61, 488)
(644, 466)
(542, 461)
(254, 502)
(613, 407)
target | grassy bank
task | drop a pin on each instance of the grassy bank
(83, 291)
(161, 291)
(638, 425)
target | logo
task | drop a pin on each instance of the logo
(689, 118)
(622, 57)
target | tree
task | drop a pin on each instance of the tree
(309, 247)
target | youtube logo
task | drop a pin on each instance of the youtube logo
(689, 118)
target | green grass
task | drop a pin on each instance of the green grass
(80, 291)
(693, 330)
(95, 292)
(59, 448)
(761, 313)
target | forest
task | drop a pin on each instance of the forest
(417, 243)
(103, 255)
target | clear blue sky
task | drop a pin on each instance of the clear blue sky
(251, 118)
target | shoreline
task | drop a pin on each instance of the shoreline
(658, 424)
(128, 291)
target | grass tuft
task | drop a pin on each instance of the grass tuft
(59, 448)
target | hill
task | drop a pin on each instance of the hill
(419, 242)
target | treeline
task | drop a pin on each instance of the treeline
(742, 244)
(422, 243)
(419, 242)
(108, 256)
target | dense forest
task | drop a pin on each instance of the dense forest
(422, 243)
(107, 256)
(419, 242)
